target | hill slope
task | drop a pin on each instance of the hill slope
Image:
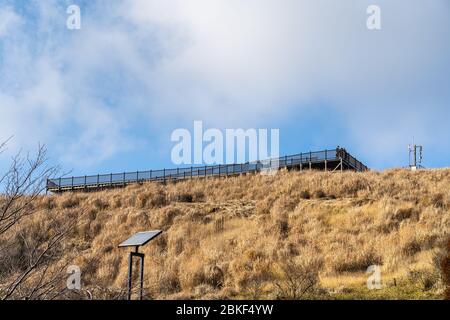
(292, 235)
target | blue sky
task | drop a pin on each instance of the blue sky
(107, 97)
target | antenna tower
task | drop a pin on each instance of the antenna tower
(415, 156)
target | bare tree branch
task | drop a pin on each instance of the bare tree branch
(27, 271)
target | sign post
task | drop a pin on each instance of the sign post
(137, 240)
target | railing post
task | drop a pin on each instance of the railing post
(150, 174)
(124, 178)
(137, 176)
(59, 184)
(98, 179)
(110, 179)
(85, 181)
(72, 182)
(310, 159)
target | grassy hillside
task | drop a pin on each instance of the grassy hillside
(292, 235)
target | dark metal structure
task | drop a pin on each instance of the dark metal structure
(137, 240)
(328, 160)
(415, 156)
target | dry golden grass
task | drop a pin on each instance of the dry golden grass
(242, 237)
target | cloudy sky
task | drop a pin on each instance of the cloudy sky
(108, 96)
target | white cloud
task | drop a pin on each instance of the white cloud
(264, 60)
(8, 21)
(228, 62)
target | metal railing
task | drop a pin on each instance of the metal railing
(113, 179)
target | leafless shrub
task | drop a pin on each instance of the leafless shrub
(297, 278)
(29, 270)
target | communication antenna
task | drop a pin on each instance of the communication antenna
(415, 156)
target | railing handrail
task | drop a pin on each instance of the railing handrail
(206, 170)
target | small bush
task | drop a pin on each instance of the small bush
(320, 194)
(198, 196)
(184, 197)
(71, 202)
(100, 204)
(305, 194)
(214, 276)
(92, 214)
(282, 226)
(411, 247)
(117, 202)
(405, 213)
(426, 279)
(158, 200)
(438, 201)
(151, 200)
(49, 203)
(355, 262)
(390, 220)
(168, 282)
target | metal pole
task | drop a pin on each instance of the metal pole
(141, 278)
(130, 266)
(415, 155)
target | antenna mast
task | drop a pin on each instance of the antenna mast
(415, 156)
